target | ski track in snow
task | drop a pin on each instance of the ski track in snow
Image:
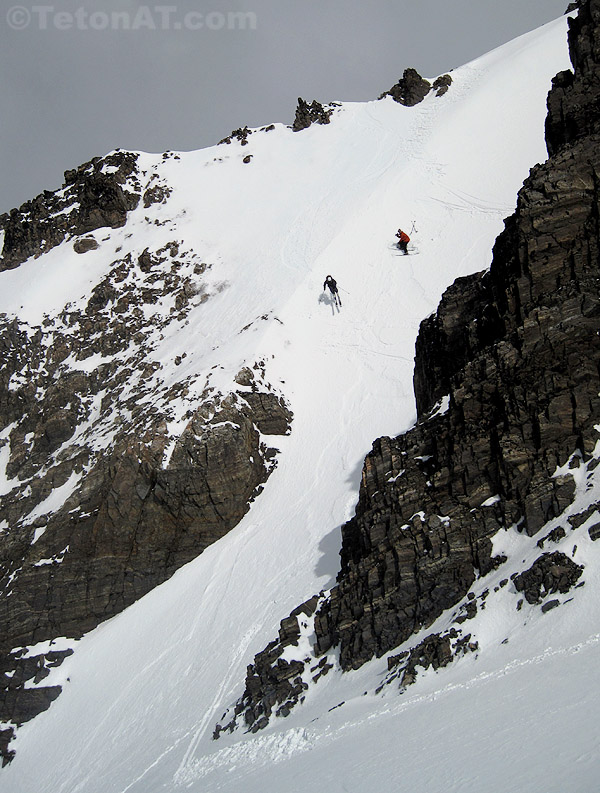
(266, 749)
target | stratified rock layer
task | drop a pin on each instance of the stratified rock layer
(119, 470)
(573, 104)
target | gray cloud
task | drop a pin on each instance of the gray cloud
(70, 92)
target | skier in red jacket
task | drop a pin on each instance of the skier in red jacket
(403, 240)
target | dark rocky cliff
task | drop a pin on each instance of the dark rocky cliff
(102, 501)
(507, 382)
(98, 194)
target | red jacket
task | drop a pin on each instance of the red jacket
(402, 236)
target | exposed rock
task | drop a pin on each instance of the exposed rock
(434, 651)
(555, 535)
(549, 605)
(241, 135)
(468, 612)
(269, 412)
(551, 573)
(272, 683)
(20, 704)
(141, 502)
(573, 103)
(7, 755)
(580, 518)
(410, 89)
(245, 377)
(594, 532)
(134, 524)
(313, 113)
(441, 84)
(157, 194)
(94, 195)
(85, 244)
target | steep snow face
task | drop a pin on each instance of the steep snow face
(142, 693)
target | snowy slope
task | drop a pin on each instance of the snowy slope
(143, 692)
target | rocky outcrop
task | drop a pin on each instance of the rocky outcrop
(311, 113)
(17, 669)
(99, 193)
(129, 526)
(85, 244)
(435, 652)
(549, 574)
(507, 383)
(242, 134)
(441, 84)
(102, 501)
(274, 684)
(411, 88)
(573, 103)
(132, 524)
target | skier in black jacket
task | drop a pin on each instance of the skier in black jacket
(331, 283)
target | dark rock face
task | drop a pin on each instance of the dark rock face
(17, 669)
(594, 532)
(242, 136)
(129, 527)
(411, 88)
(551, 573)
(272, 683)
(507, 387)
(574, 103)
(85, 407)
(136, 523)
(93, 196)
(414, 546)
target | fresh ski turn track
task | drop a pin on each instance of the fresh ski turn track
(143, 691)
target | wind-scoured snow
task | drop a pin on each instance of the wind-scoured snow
(142, 693)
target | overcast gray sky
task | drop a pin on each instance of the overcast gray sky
(82, 77)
